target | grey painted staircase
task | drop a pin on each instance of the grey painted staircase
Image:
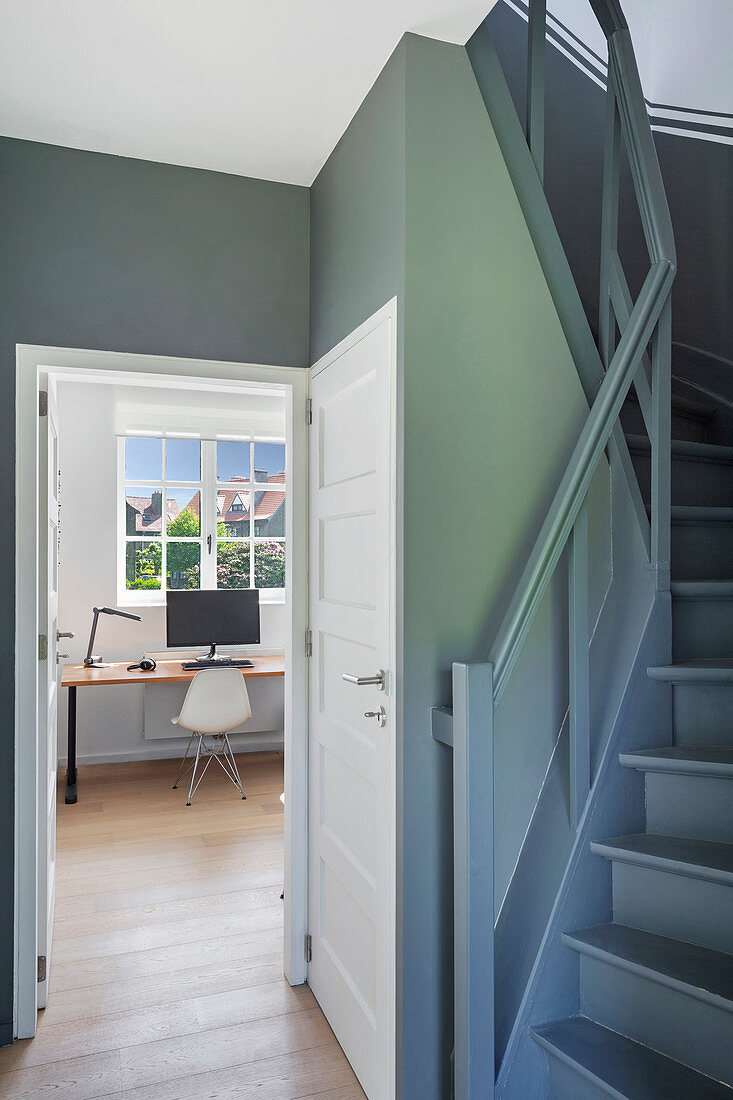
(656, 985)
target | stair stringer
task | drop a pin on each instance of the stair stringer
(584, 895)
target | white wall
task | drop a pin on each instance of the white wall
(682, 47)
(110, 719)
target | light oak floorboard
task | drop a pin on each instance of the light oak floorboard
(280, 1078)
(166, 974)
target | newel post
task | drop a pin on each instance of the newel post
(473, 862)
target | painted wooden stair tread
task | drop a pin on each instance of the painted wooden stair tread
(681, 761)
(702, 590)
(703, 670)
(685, 406)
(622, 1068)
(700, 513)
(685, 448)
(697, 971)
(703, 859)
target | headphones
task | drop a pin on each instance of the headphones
(147, 664)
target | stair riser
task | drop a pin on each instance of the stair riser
(663, 1018)
(675, 906)
(702, 551)
(703, 715)
(564, 1082)
(683, 427)
(694, 483)
(700, 807)
(702, 628)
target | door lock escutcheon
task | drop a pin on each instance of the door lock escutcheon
(380, 715)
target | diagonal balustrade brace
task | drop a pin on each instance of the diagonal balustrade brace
(466, 728)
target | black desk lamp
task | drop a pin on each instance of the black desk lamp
(97, 662)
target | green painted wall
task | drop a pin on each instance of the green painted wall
(491, 407)
(358, 215)
(125, 255)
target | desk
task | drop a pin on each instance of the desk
(166, 672)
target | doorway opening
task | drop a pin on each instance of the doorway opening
(131, 853)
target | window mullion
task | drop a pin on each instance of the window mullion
(252, 514)
(208, 513)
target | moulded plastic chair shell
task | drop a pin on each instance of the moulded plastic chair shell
(216, 702)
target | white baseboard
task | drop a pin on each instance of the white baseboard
(262, 743)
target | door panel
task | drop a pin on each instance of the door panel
(351, 768)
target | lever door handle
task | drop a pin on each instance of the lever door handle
(64, 634)
(379, 679)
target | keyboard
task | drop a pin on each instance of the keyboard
(189, 666)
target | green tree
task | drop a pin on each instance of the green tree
(185, 525)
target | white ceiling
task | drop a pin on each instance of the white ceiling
(260, 88)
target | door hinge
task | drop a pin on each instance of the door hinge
(43, 402)
(42, 647)
(309, 643)
(308, 411)
(308, 947)
(41, 968)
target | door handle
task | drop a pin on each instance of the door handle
(362, 681)
(64, 634)
(380, 715)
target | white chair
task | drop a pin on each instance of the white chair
(216, 702)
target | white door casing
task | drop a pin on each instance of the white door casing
(35, 366)
(49, 474)
(352, 757)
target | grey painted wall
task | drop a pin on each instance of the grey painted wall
(125, 255)
(416, 201)
(697, 175)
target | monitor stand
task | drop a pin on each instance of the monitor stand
(212, 655)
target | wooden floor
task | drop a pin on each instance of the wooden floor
(166, 974)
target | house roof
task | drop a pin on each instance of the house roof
(265, 508)
(147, 519)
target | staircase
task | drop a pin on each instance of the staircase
(656, 985)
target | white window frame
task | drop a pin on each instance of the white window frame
(209, 488)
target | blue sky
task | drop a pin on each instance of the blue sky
(143, 459)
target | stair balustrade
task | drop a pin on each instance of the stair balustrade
(627, 328)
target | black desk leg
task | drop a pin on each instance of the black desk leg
(71, 749)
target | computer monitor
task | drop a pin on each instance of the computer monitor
(229, 617)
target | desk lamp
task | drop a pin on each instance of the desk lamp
(97, 662)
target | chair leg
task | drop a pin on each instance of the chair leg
(195, 766)
(233, 763)
(185, 757)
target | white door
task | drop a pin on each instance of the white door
(48, 692)
(351, 755)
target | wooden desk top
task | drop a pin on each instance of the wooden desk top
(166, 672)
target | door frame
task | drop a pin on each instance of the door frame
(388, 312)
(86, 365)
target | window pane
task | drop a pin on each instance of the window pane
(269, 565)
(269, 513)
(182, 460)
(232, 565)
(183, 564)
(142, 565)
(143, 458)
(232, 512)
(269, 461)
(183, 509)
(143, 511)
(232, 461)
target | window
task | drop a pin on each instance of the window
(201, 514)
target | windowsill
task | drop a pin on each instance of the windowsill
(133, 599)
